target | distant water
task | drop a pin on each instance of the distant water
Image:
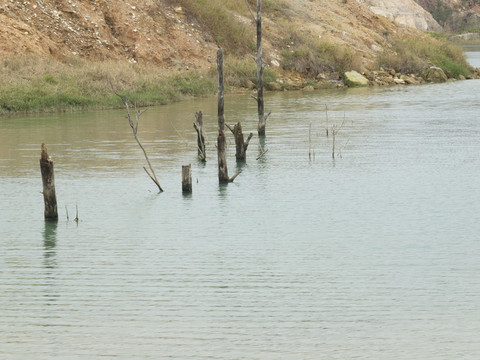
(371, 255)
(473, 56)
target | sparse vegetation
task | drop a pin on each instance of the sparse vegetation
(217, 16)
(311, 56)
(412, 56)
(240, 72)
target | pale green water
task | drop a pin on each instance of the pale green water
(373, 255)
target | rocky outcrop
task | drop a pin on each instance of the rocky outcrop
(404, 12)
(354, 79)
(454, 15)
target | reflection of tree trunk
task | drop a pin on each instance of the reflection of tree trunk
(240, 143)
(198, 125)
(48, 179)
(187, 179)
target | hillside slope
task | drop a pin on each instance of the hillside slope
(167, 34)
(454, 15)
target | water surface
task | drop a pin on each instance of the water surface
(371, 255)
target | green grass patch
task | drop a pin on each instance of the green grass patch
(414, 55)
(29, 85)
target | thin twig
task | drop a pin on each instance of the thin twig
(251, 12)
(178, 133)
(229, 128)
(234, 176)
(261, 155)
(76, 217)
(266, 116)
(135, 129)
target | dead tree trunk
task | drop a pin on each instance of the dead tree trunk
(48, 180)
(240, 143)
(221, 140)
(187, 179)
(134, 127)
(262, 118)
(198, 125)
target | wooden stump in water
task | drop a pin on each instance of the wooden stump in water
(240, 143)
(48, 180)
(187, 179)
(198, 125)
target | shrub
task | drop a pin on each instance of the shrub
(413, 55)
(217, 17)
(312, 56)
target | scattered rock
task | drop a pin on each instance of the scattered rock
(435, 74)
(275, 63)
(275, 86)
(354, 79)
(179, 10)
(250, 85)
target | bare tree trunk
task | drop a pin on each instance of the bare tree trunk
(241, 144)
(48, 180)
(221, 141)
(187, 179)
(198, 125)
(262, 118)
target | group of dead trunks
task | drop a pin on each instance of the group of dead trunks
(241, 144)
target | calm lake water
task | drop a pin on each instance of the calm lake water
(371, 255)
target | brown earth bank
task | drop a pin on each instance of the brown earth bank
(166, 34)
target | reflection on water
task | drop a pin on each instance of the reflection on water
(49, 243)
(373, 255)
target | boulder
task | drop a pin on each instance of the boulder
(404, 12)
(274, 86)
(435, 74)
(354, 79)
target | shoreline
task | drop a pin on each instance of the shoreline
(87, 87)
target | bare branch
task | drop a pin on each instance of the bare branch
(135, 129)
(230, 128)
(251, 12)
(261, 155)
(266, 116)
(254, 98)
(234, 176)
(248, 140)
